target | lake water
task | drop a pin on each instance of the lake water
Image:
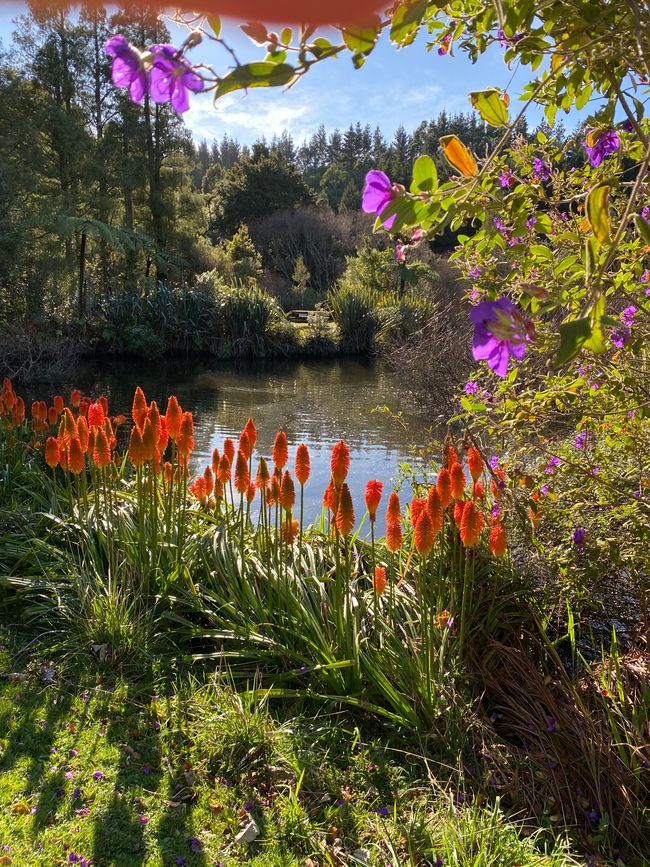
(315, 402)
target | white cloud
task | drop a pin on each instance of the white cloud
(248, 117)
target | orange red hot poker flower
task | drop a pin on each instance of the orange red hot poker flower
(340, 463)
(373, 497)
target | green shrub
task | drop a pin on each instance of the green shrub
(244, 318)
(354, 310)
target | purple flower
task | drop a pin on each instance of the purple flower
(582, 440)
(544, 490)
(74, 753)
(34, 810)
(620, 338)
(172, 78)
(180, 862)
(75, 794)
(541, 170)
(474, 272)
(531, 222)
(494, 461)
(98, 775)
(73, 858)
(444, 47)
(552, 464)
(128, 69)
(146, 769)
(593, 815)
(377, 193)
(384, 811)
(143, 820)
(400, 253)
(499, 332)
(471, 387)
(579, 538)
(604, 144)
(627, 316)
(506, 179)
(195, 844)
(83, 812)
(68, 775)
(498, 222)
(550, 725)
(248, 806)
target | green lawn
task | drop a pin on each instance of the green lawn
(121, 773)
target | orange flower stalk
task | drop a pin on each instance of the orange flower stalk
(495, 487)
(345, 512)
(223, 473)
(101, 450)
(163, 438)
(393, 511)
(475, 463)
(185, 439)
(148, 441)
(104, 404)
(76, 456)
(273, 494)
(373, 497)
(173, 416)
(153, 414)
(289, 531)
(380, 581)
(242, 476)
(331, 497)
(471, 525)
(251, 432)
(424, 535)
(135, 447)
(75, 398)
(83, 406)
(168, 471)
(215, 462)
(262, 477)
(498, 541)
(287, 492)
(52, 416)
(96, 414)
(245, 445)
(478, 489)
(280, 451)
(58, 402)
(82, 433)
(450, 455)
(91, 439)
(209, 480)
(250, 493)
(434, 505)
(417, 505)
(457, 477)
(393, 537)
(139, 408)
(340, 463)
(69, 425)
(52, 454)
(197, 489)
(229, 450)
(443, 486)
(302, 464)
(459, 508)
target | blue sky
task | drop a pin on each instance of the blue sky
(393, 88)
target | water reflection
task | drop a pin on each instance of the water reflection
(314, 402)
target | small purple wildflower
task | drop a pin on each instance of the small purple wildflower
(494, 461)
(552, 464)
(128, 69)
(143, 820)
(544, 490)
(400, 253)
(474, 272)
(550, 725)
(582, 440)
(172, 78)
(620, 337)
(75, 794)
(498, 222)
(499, 332)
(645, 213)
(146, 769)
(605, 144)
(83, 812)
(506, 179)
(377, 193)
(34, 810)
(73, 858)
(579, 538)
(180, 861)
(248, 806)
(384, 812)
(74, 753)
(98, 775)
(540, 170)
(593, 815)
(195, 845)
(471, 387)
(531, 222)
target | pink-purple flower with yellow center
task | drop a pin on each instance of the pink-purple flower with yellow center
(418, 235)
(172, 78)
(128, 68)
(444, 47)
(400, 253)
(377, 193)
(506, 179)
(500, 331)
(601, 145)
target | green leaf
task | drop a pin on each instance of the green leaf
(215, 24)
(573, 335)
(405, 214)
(490, 105)
(596, 343)
(259, 74)
(405, 21)
(643, 229)
(425, 175)
(598, 211)
(362, 39)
